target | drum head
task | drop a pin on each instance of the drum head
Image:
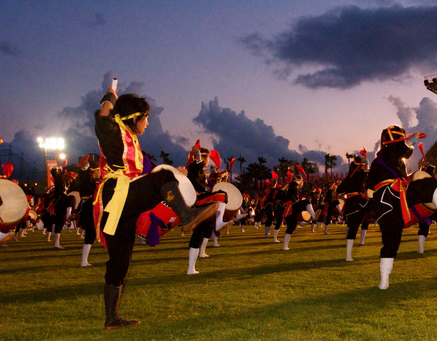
(306, 216)
(341, 203)
(235, 199)
(33, 215)
(185, 185)
(76, 196)
(419, 175)
(14, 203)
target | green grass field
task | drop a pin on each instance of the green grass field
(248, 289)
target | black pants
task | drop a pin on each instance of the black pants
(86, 220)
(389, 212)
(204, 230)
(292, 219)
(61, 205)
(354, 210)
(269, 216)
(144, 194)
(278, 212)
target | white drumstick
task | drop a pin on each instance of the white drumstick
(114, 83)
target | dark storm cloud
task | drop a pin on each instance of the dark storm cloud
(8, 49)
(350, 45)
(237, 135)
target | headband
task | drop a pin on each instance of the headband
(128, 117)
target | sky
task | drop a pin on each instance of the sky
(272, 79)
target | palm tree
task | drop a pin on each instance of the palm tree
(151, 157)
(262, 161)
(165, 159)
(330, 163)
(228, 167)
(241, 160)
(283, 166)
(348, 157)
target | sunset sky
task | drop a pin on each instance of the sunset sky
(275, 79)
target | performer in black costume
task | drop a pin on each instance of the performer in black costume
(293, 210)
(205, 230)
(280, 197)
(128, 189)
(331, 202)
(424, 224)
(388, 182)
(357, 203)
(89, 175)
(267, 207)
(62, 203)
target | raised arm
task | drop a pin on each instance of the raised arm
(108, 102)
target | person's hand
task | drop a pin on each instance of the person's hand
(182, 170)
(111, 90)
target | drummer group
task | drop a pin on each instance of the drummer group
(123, 186)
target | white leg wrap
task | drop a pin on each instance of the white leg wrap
(421, 240)
(362, 236)
(68, 213)
(192, 258)
(215, 240)
(57, 238)
(385, 265)
(286, 241)
(275, 236)
(349, 246)
(85, 253)
(310, 209)
(202, 253)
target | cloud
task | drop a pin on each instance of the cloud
(76, 125)
(9, 49)
(350, 45)
(235, 134)
(426, 116)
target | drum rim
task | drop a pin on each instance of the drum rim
(227, 184)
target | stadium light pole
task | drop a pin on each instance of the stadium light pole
(51, 143)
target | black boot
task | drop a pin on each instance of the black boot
(112, 301)
(190, 217)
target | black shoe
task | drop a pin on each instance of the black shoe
(120, 323)
(112, 301)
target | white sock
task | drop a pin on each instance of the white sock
(192, 258)
(215, 240)
(286, 241)
(349, 246)
(85, 253)
(421, 240)
(202, 253)
(57, 238)
(385, 265)
(310, 209)
(275, 236)
(68, 213)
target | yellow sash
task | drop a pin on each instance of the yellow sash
(116, 204)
